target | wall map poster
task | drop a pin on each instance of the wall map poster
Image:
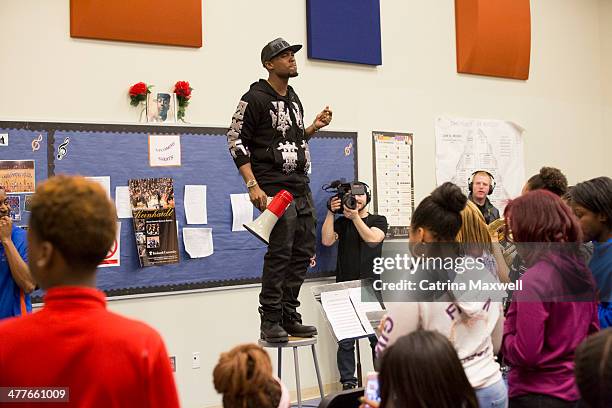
(464, 145)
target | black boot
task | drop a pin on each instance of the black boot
(297, 329)
(272, 332)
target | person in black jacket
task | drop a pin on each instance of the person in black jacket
(268, 141)
(480, 185)
(359, 235)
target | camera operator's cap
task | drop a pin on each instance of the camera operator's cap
(275, 47)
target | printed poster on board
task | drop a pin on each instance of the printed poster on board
(14, 203)
(17, 176)
(154, 218)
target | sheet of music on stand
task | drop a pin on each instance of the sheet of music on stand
(347, 314)
(393, 180)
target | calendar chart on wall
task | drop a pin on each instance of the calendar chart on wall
(393, 180)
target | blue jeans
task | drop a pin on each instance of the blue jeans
(493, 396)
(346, 359)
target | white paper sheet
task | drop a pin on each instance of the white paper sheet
(242, 211)
(104, 181)
(362, 307)
(198, 242)
(122, 202)
(195, 204)
(341, 315)
(164, 150)
(466, 145)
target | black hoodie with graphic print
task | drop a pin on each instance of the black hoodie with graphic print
(268, 131)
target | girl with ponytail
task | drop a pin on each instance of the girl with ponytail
(470, 320)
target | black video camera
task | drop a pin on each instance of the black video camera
(346, 192)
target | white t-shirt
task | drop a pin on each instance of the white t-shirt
(474, 328)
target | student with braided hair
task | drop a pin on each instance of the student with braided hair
(592, 204)
(244, 376)
(549, 179)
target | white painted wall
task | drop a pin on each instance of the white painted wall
(605, 25)
(214, 322)
(565, 107)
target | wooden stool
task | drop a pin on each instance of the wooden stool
(296, 342)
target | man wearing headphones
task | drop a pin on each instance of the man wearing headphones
(359, 235)
(481, 184)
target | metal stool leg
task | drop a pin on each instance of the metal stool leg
(297, 377)
(316, 363)
(280, 361)
(359, 373)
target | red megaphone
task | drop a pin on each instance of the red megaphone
(262, 226)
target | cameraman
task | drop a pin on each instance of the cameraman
(359, 235)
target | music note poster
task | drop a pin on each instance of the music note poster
(17, 176)
(154, 218)
(62, 149)
(393, 180)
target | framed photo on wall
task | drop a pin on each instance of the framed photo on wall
(161, 107)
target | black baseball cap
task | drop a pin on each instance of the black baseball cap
(275, 47)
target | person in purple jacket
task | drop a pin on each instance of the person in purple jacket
(556, 308)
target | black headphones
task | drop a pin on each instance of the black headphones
(471, 181)
(367, 191)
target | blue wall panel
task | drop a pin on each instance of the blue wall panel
(344, 30)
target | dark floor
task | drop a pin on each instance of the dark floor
(308, 403)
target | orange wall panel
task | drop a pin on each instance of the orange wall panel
(171, 22)
(493, 37)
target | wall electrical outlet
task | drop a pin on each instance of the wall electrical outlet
(195, 360)
(173, 363)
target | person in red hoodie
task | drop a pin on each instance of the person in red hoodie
(98, 358)
(556, 308)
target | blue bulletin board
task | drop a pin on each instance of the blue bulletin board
(121, 152)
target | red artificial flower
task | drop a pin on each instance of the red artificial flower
(138, 89)
(183, 94)
(138, 93)
(182, 89)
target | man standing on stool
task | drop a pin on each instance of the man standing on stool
(269, 144)
(359, 235)
(481, 184)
